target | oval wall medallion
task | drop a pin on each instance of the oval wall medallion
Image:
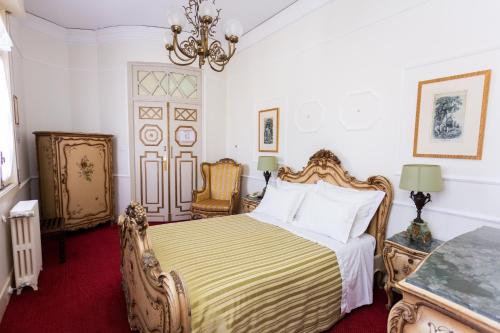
(359, 111)
(309, 117)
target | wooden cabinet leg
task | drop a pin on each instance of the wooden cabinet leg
(62, 248)
(390, 296)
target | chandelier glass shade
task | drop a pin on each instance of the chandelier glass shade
(201, 17)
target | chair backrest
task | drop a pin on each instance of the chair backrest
(224, 178)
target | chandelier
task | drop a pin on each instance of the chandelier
(201, 17)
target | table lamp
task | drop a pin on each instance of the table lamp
(420, 178)
(267, 164)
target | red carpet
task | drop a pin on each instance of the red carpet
(84, 294)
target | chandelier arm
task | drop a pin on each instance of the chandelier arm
(231, 51)
(219, 69)
(216, 65)
(173, 48)
(180, 61)
(179, 47)
(218, 55)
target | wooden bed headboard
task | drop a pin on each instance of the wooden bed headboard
(326, 166)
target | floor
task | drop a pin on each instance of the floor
(84, 294)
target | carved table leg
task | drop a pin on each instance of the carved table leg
(399, 316)
(390, 296)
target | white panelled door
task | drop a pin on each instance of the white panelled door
(166, 106)
(186, 156)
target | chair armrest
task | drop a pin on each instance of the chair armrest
(202, 195)
(234, 201)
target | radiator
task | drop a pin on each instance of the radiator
(26, 244)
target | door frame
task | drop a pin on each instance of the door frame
(131, 135)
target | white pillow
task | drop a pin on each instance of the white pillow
(332, 218)
(280, 204)
(367, 201)
(304, 188)
(284, 185)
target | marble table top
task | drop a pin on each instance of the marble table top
(402, 239)
(466, 271)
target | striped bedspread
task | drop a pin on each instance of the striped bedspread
(243, 275)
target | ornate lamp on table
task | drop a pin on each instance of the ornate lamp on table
(267, 164)
(419, 178)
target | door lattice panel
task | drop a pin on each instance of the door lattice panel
(182, 86)
(186, 114)
(152, 83)
(150, 113)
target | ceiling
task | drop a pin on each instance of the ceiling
(96, 14)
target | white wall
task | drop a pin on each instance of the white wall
(77, 81)
(385, 47)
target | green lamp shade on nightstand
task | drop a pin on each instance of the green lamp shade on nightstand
(267, 163)
(421, 178)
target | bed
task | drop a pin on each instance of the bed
(247, 273)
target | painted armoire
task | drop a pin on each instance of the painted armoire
(76, 177)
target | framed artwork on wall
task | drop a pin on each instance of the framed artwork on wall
(269, 124)
(451, 116)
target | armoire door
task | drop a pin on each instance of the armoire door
(152, 161)
(85, 180)
(166, 106)
(185, 153)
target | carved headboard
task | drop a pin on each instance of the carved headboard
(326, 166)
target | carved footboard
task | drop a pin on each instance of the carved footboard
(156, 301)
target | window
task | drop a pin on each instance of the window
(7, 154)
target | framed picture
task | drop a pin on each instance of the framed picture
(269, 124)
(451, 116)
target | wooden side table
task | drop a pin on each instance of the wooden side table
(248, 204)
(401, 258)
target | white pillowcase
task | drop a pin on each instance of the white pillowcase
(280, 204)
(304, 188)
(367, 201)
(332, 218)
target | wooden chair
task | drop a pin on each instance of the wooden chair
(221, 189)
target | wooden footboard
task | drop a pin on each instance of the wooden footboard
(156, 301)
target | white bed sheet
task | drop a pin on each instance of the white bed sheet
(355, 259)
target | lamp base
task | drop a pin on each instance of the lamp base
(419, 231)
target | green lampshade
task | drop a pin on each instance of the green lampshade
(421, 178)
(267, 163)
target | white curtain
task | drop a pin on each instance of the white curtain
(5, 41)
(6, 126)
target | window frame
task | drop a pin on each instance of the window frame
(6, 58)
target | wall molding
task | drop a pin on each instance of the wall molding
(287, 16)
(457, 213)
(436, 61)
(469, 180)
(439, 210)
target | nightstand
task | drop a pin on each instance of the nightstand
(248, 204)
(401, 258)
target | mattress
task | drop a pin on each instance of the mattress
(355, 259)
(243, 275)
